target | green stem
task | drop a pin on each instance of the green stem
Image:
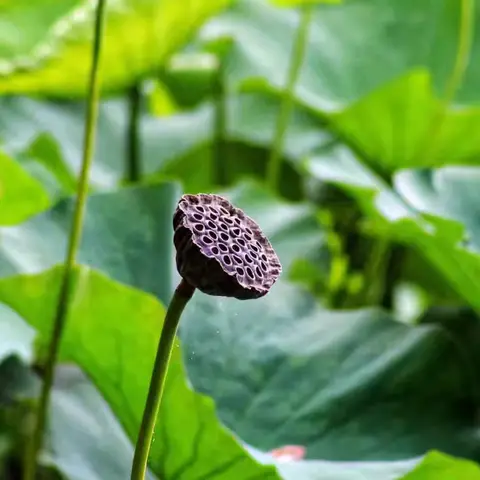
(182, 295)
(133, 171)
(286, 107)
(465, 37)
(35, 441)
(219, 150)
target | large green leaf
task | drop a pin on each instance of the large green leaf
(33, 18)
(173, 145)
(374, 41)
(285, 371)
(112, 333)
(392, 126)
(437, 466)
(363, 90)
(431, 210)
(127, 234)
(139, 37)
(20, 195)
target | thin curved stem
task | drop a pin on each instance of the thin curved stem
(286, 106)
(134, 168)
(465, 38)
(220, 128)
(180, 298)
(35, 441)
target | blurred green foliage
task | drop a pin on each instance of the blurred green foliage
(365, 352)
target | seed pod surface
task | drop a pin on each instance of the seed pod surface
(220, 250)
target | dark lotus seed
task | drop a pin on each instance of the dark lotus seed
(213, 263)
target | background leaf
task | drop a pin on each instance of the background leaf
(364, 364)
(155, 29)
(112, 333)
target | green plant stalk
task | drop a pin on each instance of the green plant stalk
(134, 169)
(181, 297)
(35, 441)
(220, 118)
(286, 106)
(465, 39)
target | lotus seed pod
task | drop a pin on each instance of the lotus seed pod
(220, 250)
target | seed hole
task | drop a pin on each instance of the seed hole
(263, 257)
(228, 220)
(236, 232)
(211, 225)
(215, 251)
(248, 231)
(227, 260)
(248, 237)
(241, 242)
(254, 247)
(248, 258)
(223, 211)
(258, 272)
(223, 247)
(207, 240)
(197, 217)
(213, 216)
(236, 248)
(249, 272)
(253, 255)
(240, 271)
(198, 227)
(264, 266)
(237, 221)
(237, 259)
(199, 208)
(213, 235)
(224, 236)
